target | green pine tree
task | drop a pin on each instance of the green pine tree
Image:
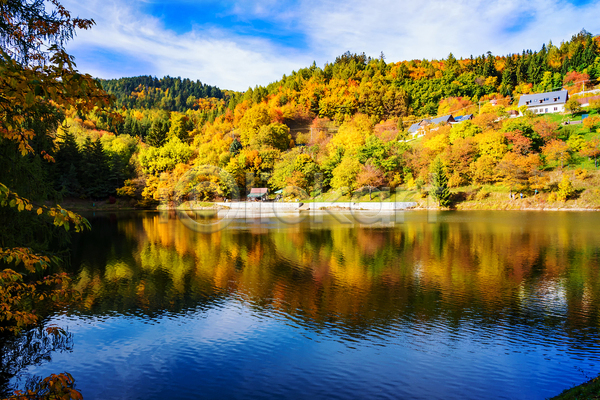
(157, 135)
(96, 170)
(235, 147)
(439, 181)
(67, 168)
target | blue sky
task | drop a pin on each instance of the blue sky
(237, 44)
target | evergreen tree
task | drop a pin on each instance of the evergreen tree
(157, 135)
(235, 147)
(439, 181)
(96, 170)
(69, 182)
(68, 166)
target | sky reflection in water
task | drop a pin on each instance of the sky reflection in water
(473, 305)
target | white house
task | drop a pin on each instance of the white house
(545, 103)
(416, 128)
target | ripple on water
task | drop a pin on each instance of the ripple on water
(405, 312)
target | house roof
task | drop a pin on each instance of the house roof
(462, 118)
(445, 118)
(414, 127)
(586, 100)
(548, 98)
(259, 191)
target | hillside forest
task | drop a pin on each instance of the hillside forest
(337, 129)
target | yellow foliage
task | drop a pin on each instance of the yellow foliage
(352, 134)
(483, 170)
(437, 143)
(493, 144)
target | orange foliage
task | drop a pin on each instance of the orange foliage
(574, 81)
(456, 106)
(497, 99)
(546, 129)
(386, 130)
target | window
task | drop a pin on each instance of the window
(555, 108)
(546, 110)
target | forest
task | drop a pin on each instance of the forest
(341, 128)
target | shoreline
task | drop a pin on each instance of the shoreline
(302, 208)
(78, 205)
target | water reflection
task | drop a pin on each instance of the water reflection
(467, 269)
(446, 305)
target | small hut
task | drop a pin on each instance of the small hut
(258, 194)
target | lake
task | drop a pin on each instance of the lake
(428, 305)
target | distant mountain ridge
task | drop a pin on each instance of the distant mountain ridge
(167, 93)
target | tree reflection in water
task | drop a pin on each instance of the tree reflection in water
(32, 347)
(486, 268)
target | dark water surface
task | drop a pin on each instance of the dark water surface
(454, 305)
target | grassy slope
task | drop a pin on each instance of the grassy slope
(588, 390)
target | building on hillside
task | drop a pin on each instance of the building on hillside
(415, 128)
(462, 118)
(258, 194)
(585, 101)
(545, 103)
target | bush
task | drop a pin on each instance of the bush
(591, 122)
(565, 189)
(482, 194)
(573, 106)
(581, 173)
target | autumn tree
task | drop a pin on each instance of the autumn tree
(344, 175)
(274, 135)
(295, 169)
(456, 106)
(574, 81)
(38, 83)
(557, 150)
(458, 159)
(251, 121)
(591, 149)
(594, 104)
(546, 129)
(352, 134)
(572, 106)
(370, 177)
(565, 189)
(516, 169)
(592, 122)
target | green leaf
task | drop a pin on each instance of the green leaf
(29, 97)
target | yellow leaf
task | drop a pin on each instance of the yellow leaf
(39, 211)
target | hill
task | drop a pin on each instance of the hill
(344, 127)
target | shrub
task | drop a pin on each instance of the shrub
(565, 189)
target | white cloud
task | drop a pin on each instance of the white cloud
(401, 29)
(434, 28)
(215, 56)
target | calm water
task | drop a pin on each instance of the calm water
(464, 305)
